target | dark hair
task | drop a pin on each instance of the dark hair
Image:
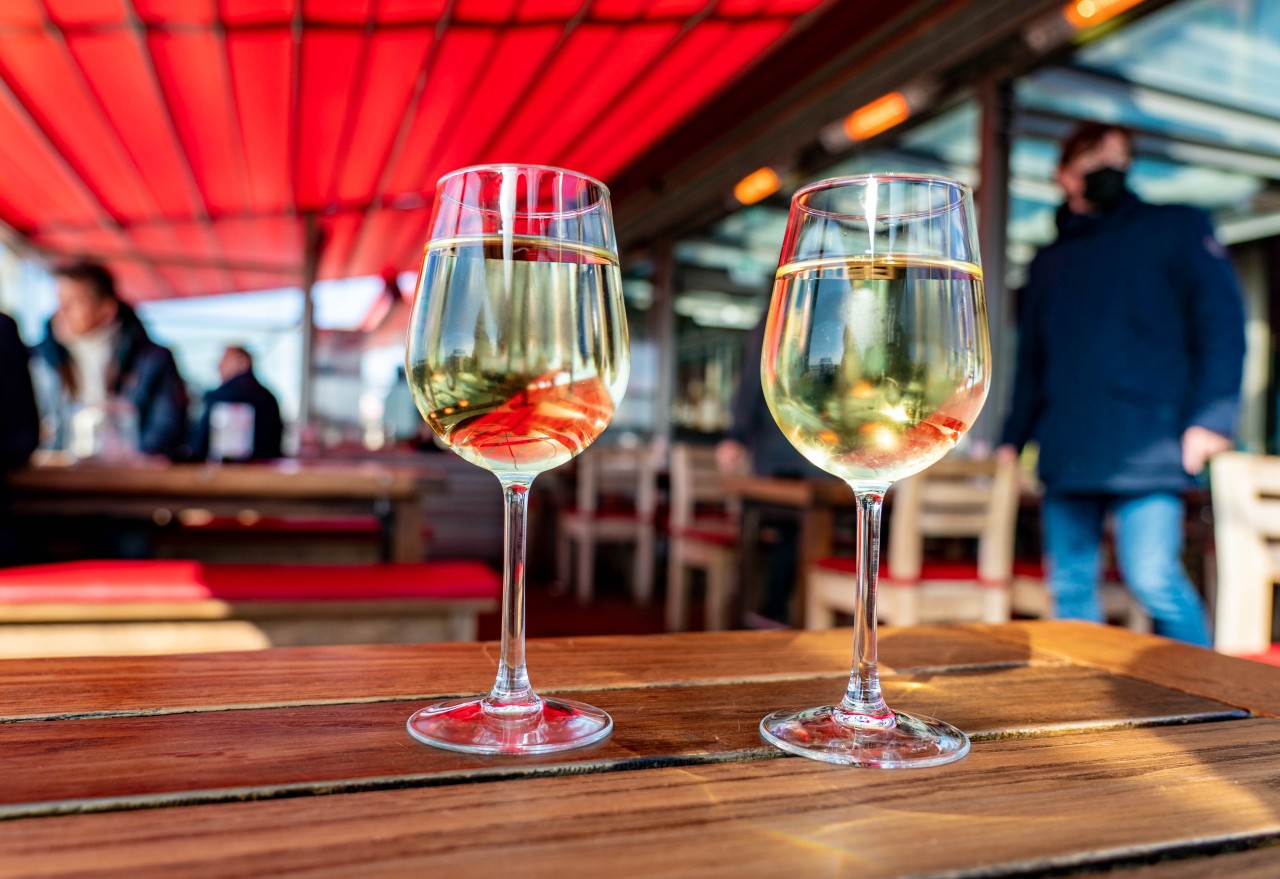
(1088, 135)
(97, 276)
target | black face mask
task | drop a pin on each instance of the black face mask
(1104, 187)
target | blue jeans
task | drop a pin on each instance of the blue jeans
(1148, 548)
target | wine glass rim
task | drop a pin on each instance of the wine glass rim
(894, 176)
(496, 166)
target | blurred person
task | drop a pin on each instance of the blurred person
(100, 358)
(1130, 356)
(240, 419)
(402, 417)
(18, 414)
(755, 439)
(19, 425)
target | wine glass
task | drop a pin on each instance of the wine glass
(875, 362)
(517, 357)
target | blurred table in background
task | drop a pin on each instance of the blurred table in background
(814, 502)
(1096, 751)
(161, 492)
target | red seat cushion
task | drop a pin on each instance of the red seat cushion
(113, 581)
(1033, 568)
(717, 536)
(930, 571)
(609, 511)
(1271, 657)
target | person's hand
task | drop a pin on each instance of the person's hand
(731, 456)
(1199, 444)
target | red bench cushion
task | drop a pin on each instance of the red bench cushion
(112, 581)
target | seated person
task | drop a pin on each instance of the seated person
(19, 427)
(98, 360)
(241, 418)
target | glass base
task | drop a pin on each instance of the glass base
(464, 725)
(912, 742)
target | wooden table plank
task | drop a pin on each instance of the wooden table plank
(286, 752)
(319, 675)
(1251, 685)
(1012, 808)
(1258, 863)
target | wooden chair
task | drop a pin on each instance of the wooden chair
(1246, 516)
(704, 534)
(954, 498)
(616, 502)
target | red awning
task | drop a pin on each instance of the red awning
(185, 141)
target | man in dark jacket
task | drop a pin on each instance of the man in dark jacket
(240, 389)
(101, 355)
(20, 433)
(1131, 345)
(21, 421)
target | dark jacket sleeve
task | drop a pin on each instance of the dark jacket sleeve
(748, 409)
(21, 432)
(1028, 379)
(199, 440)
(271, 441)
(1215, 341)
(163, 424)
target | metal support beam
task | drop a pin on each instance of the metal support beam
(996, 96)
(662, 330)
(313, 246)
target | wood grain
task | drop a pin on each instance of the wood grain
(1240, 682)
(1012, 808)
(288, 479)
(232, 755)
(44, 688)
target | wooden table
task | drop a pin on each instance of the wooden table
(1095, 750)
(158, 490)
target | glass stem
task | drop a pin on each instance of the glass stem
(863, 705)
(512, 696)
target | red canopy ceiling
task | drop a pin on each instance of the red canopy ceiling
(185, 141)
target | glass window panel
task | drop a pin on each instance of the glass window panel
(1224, 51)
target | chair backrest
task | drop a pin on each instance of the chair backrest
(627, 473)
(696, 483)
(957, 497)
(1246, 525)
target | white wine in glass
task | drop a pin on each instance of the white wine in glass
(517, 358)
(876, 361)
